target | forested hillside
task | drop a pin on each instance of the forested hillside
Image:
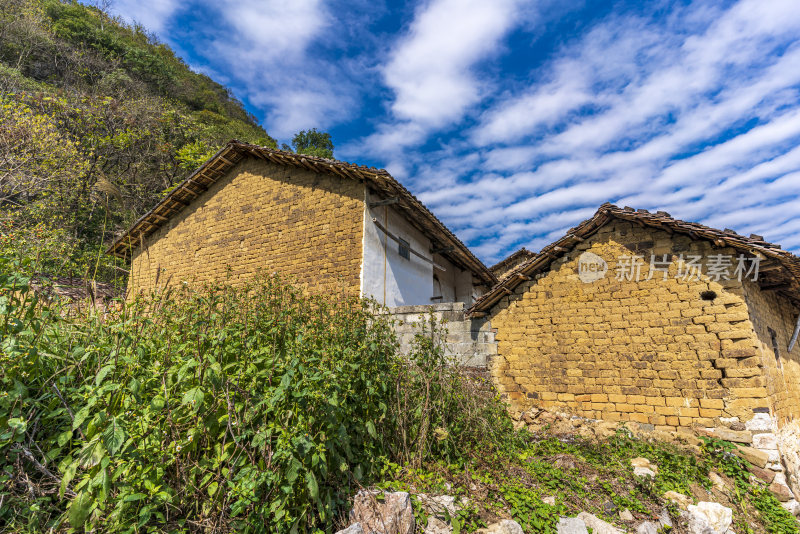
(97, 121)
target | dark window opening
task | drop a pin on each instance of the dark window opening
(708, 295)
(404, 249)
(774, 337)
(437, 289)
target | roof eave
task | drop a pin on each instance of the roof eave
(608, 212)
(235, 151)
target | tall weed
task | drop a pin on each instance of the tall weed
(255, 408)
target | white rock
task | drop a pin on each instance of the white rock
(571, 525)
(437, 526)
(774, 455)
(550, 499)
(506, 526)
(709, 518)
(438, 504)
(352, 529)
(780, 478)
(664, 519)
(766, 441)
(648, 527)
(717, 481)
(761, 422)
(626, 515)
(775, 466)
(645, 463)
(678, 498)
(644, 472)
(793, 507)
(597, 525)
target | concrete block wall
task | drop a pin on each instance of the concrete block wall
(470, 342)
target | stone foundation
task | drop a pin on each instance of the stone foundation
(470, 342)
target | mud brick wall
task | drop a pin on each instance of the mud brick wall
(770, 314)
(653, 351)
(261, 217)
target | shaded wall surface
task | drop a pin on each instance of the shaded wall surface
(470, 342)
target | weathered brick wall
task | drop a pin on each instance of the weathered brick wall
(260, 217)
(778, 432)
(769, 313)
(652, 352)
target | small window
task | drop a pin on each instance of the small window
(404, 250)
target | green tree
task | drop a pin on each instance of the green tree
(97, 120)
(313, 143)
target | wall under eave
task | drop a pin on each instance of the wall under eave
(456, 284)
(396, 281)
(386, 276)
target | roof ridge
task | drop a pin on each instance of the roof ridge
(235, 151)
(606, 211)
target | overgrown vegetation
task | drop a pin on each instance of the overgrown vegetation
(254, 408)
(587, 474)
(262, 409)
(98, 120)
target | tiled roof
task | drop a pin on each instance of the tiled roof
(785, 277)
(378, 179)
(505, 266)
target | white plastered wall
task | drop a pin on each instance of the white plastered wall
(396, 281)
(456, 285)
(386, 276)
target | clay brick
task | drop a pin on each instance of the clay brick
(636, 399)
(638, 418)
(739, 352)
(753, 382)
(711, 403)
(710, 412)
(743, 372)
(745, 392)
(713, 374)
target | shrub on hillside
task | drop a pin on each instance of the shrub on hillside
(254, 408)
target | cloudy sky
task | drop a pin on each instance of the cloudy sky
(514, 120)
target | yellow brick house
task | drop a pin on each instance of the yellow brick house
(330, 225)
(664, 324)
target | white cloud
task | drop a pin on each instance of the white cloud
(698, 116)
(152, 14)
(270, 44)
(272, 29)
(429, 70)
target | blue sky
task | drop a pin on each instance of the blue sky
(514, 121)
